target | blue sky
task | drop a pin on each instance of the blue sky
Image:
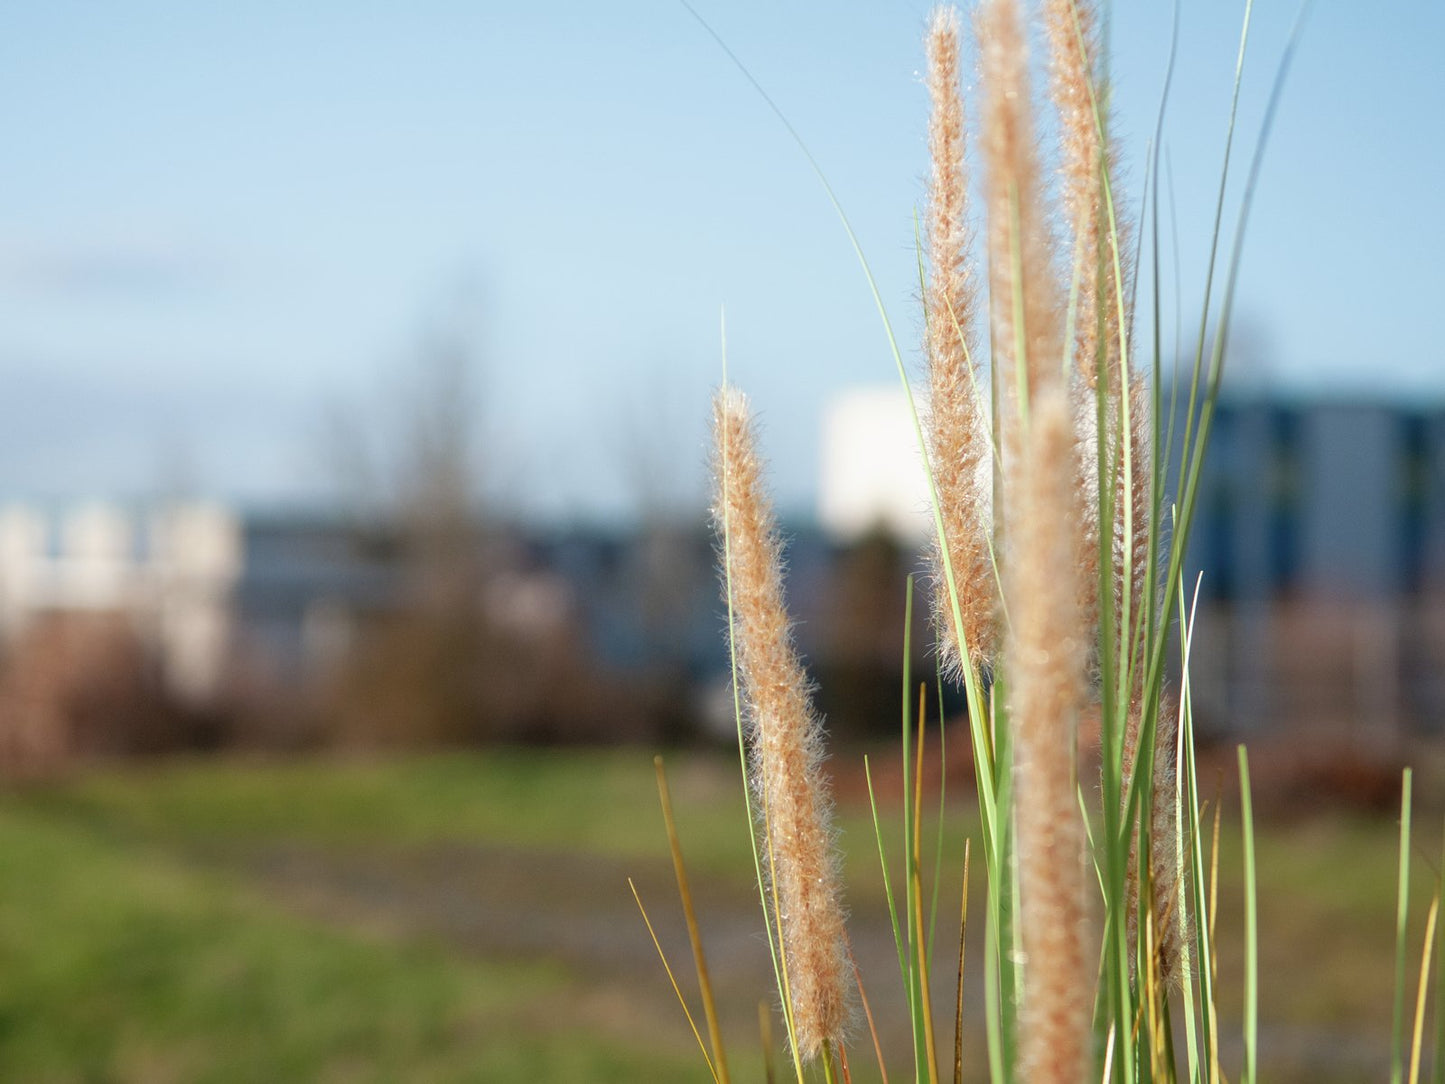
(219, 222)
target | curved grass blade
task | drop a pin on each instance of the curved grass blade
(920, 940)
(1422, 989)
(672, 979)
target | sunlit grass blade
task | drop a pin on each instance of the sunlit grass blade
(1186, 802)
(694, 935)
(887, 880)
(1204, 891)
(672, 979)
(1251, 927)
(920, 939)
(911, 887)
(1437, 1063)
(1422, 989)
(993, 1023)
(942, 814)
(1216, 1072)
(1004, 893)
(1402, 914)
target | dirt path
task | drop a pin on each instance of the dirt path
(575, 910)
(571, 909)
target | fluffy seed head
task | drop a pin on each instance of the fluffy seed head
(957, 421)
(784, 737)
(1046, 667)
(1023, 293)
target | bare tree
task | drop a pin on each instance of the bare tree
(407, 474)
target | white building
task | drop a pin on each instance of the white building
(872, 474)
(172, 573)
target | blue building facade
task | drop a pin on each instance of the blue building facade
(1320, 532)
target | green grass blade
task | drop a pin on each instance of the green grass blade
(1251, 928)
(1422, 989)
(1004, 901)
(887, 880)
(1437, 1063)
(920, 938)
(993, 994)
(1402, 914)
(912, 931)
(958, 994)
(1187, 813)
(942, 813)
(694, 933)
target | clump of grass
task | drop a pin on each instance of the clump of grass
(1055, 582)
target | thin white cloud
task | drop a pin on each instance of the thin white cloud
(126, 269)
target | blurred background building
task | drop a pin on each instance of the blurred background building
(111, 624)
(1320, 530)
(1321, 533)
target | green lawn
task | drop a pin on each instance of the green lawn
(466, 917)
(586, 801)
(130, 952)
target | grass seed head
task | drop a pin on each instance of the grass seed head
(957, 418)
(784, 733)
